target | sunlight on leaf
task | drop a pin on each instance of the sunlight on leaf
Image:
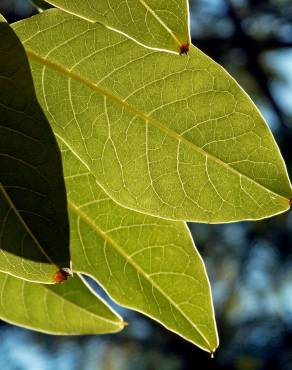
(162, 24)
(172, 136)
(68, 308)
(144, 263)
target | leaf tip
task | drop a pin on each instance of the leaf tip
(2, 19)
(62, 275)
(184, 48)
(212, 352)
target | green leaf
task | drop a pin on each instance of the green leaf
(144, 263)
(34, 229)
(68, 308)
(2, 19)
(172, 136)
(159, 24)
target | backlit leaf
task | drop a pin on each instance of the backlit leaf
(162, 24)
(68, 308)
(172, 136)
(144, 263)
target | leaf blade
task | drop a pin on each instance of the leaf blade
(70, 308)
(124, 251)
(204, 151)
(32, 189)
(156, 24)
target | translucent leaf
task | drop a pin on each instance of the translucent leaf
(34, 230)
(68, 308)
(144, 263)
(168, 135)
(162, 24)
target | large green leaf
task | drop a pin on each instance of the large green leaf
(162, 24)
(69, 308)
(144, 263)
(172, 136)
(34, 229)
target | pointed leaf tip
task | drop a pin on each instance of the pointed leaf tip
(143, 263)
(62, 275)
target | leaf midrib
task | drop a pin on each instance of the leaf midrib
(120, 251)
(155, 123)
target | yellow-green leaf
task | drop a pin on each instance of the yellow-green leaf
(144, 263)
(162, 24)
(168, 135)
(68, 308)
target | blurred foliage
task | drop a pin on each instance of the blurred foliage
(249, 264)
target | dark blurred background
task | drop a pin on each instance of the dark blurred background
(249, 264)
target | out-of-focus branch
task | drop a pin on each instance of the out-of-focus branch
(251, 49)
(217, 45)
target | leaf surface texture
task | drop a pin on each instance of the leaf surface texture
(168, 135)
(162, 24)
(67, 308)
(143, 262)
